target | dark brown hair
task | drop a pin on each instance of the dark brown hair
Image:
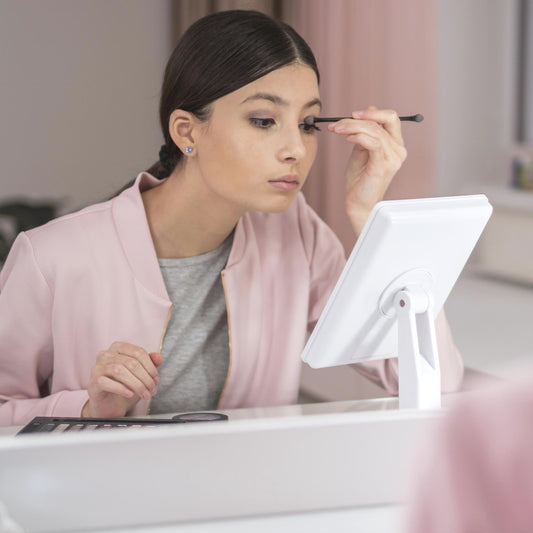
(217, 55)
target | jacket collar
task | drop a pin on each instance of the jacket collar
(134, 233)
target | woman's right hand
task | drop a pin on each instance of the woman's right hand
(121, 376)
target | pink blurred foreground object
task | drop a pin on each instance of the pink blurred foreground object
(477, 474)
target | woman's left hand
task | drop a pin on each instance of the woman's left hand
(377, 155)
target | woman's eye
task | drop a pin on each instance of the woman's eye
(263, 123)
(309, 128)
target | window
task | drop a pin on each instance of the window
(525, 73)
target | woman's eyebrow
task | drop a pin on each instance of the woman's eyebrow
(278, 100)
(315, 101)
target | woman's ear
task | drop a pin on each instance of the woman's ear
(181, 128)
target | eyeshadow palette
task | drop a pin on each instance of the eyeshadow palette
(54, 424)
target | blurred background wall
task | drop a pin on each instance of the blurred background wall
(78, 94)
(80, 85)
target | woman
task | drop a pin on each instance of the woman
(195, 292)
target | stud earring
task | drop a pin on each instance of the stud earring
(189, 149)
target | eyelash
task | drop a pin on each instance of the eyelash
(309, 128)
(265, 123)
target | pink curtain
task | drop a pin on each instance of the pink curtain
(379, 52)
(185, 12)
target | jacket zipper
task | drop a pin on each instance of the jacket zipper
(161, 346)
(165, 328)
(229, 344)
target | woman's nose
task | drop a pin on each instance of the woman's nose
(293, 147)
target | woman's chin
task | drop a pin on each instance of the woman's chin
(277, 205)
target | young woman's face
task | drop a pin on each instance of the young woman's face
(255, 152)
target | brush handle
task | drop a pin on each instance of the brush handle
(411, 118)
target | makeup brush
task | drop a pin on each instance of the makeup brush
(309, 121)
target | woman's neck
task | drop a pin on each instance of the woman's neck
(184, 221)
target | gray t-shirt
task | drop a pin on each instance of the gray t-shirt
(196, 345)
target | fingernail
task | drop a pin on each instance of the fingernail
(339, 128)
(146, 395)
(357, 114)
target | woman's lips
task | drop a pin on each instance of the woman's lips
(287, 183)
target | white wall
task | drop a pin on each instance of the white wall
(79, 92)
(475, 78)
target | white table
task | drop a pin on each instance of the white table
(338, 466)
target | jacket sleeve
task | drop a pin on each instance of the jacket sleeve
(26, 345)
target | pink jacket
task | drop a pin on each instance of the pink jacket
(72, 287)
